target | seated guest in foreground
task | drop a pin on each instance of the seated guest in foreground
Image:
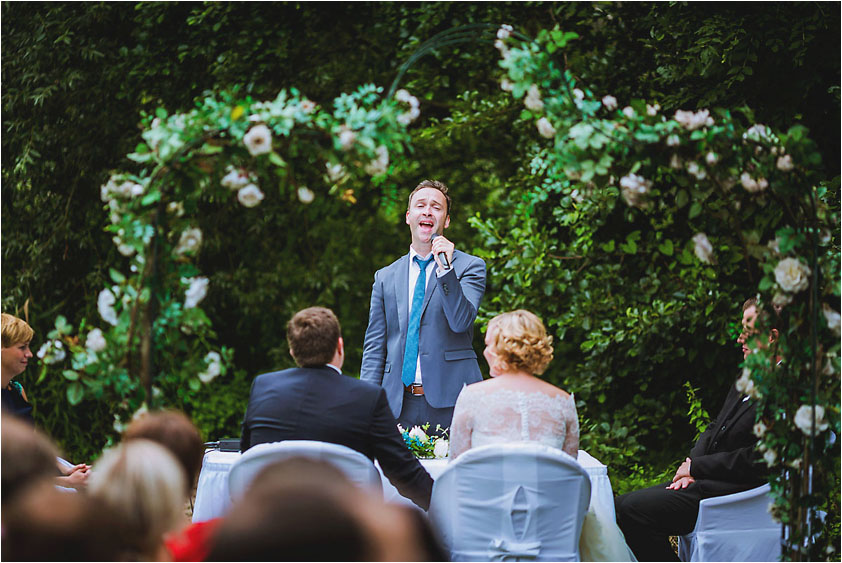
(316, 402)
(16, 336)
(515, 406)
(722, 462)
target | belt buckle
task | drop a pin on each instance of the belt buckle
(416, 389)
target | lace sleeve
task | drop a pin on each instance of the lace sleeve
(571, 438)
(462, 425)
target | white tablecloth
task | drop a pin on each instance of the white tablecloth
(212, 499)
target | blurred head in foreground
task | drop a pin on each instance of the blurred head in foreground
(46, 524)
(305, 510)
(27, 457)
(144, 484)
(174, 431)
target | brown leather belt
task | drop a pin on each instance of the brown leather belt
(415, 389)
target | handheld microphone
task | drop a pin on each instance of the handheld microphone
(442, 255)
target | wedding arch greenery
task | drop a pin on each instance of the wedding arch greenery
(685, 198)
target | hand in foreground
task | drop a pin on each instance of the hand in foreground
(441, 244)
(77, 478)
(682, 483)
(683, 470)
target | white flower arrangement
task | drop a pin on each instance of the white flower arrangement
(95, 342)
(214, 362)
(545, 128)
(405, 97)
(792, 275)
(258, 140)
(196, 291)
(250, 196)
(804, 419)
(703, 248)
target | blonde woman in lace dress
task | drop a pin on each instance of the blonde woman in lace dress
(516, 406)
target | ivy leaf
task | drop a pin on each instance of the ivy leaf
(666, 247)
(116, 276)
(695, 210)
(70, 374)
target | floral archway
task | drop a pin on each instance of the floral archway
(714, 163)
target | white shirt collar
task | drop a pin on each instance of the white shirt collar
(336, 369)
(413, 254)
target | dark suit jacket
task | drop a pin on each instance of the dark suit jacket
(724, 460)
(320, 404)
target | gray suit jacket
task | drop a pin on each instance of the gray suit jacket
(448, 360)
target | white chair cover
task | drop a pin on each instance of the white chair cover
(356, 466)
(736, 527)
(511, 502)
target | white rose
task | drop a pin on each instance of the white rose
(235, 179)
(752, 185)
(628, 111)
(792, 275)
(692, 121)
(759, 429)
(500, 46)
(545, 128)
(95, 342)
(757, 133)
(504, 32)
(743, 381)
(832, 318)
(652, 110)
(703, 248)
(258, 140)
(410, 116)
(105, 305)
(52, 352)
(335, 172)
(380, 163)
(711, 158)
(770, 456)
(533, 100)
(785, 163)
(214, 368)
(804, 419)
(347, 138)
(673, 141)
(634, 188)
(578, 94)
(610, 102)
(441, 448)
(305, 195)
(307, 106)
(418, 433)
(781, 300)
(196, 291)
(695, 170)
(250, 196)
(190, 241)
(506, 85)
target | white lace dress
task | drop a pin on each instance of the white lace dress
(491, 416)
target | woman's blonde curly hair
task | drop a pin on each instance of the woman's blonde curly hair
(521, 342)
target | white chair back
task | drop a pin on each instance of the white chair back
(356, 466)
(511, 502)
(736, 527)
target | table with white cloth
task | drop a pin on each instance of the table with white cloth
(213, 500)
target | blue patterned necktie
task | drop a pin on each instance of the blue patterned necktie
(410, 354)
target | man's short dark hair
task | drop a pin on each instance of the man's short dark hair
(436, 185)
(750, 302)
(313, 336)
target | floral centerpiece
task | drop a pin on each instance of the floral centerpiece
(424, 446)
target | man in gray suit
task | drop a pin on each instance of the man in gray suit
(418, 344)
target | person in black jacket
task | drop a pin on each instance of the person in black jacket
(315, 401)
(722, 462)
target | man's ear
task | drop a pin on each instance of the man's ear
(340, 347)
(447, 221)
(773, 335)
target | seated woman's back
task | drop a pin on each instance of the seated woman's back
(515, 406)
(515, 409)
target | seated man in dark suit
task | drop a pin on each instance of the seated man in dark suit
(722, 462)
(316, 402)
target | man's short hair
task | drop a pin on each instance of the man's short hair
(750, 302)
(15, 331)
(313, 336)
(436, 185)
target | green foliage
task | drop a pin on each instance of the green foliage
(699, 417)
